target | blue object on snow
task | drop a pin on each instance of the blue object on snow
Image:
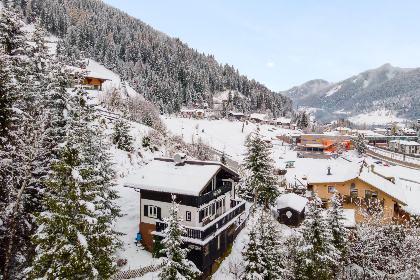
(138, 237)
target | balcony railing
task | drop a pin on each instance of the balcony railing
(204, 232)
(361, 201)
(214, 194)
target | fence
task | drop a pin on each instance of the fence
(128, 274)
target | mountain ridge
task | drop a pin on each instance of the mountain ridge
(387, 87)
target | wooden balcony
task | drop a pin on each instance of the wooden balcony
(205, 198)
(361, 201)
(203, 232)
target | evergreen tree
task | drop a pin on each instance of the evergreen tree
(121, 136)
(304, 122)
(223, 158)
(259, 181)
(360, 144)
(335, 219)
(315, 253)
(273, 257)
(175, 264)
(254, 266)
(75, 239)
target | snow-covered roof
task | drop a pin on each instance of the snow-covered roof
(405, 142)
(258, 116)
(349, 219)
(236, 114)
(283, 120)
(291, 200)
(340, 173)
(163, 175)
(89, 74)
(393, 189)
(342, 128)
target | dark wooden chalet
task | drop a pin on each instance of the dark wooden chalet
(291, 209)
(213, 215)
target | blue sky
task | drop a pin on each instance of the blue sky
(286, 43)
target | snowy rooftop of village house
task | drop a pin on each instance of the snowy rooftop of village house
(258, 116)
(291, 200)
(405, 142)
(163, 175)
(283, 120)
(342, 173)
(89, 73)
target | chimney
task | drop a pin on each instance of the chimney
(329, 170)
(179, 158)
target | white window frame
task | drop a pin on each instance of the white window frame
(152, 213)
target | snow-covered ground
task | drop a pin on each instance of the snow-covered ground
(396, 156)
(379, 117)
(224, 135)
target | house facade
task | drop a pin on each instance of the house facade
(361, 187)
(205, 191)
(403, 146)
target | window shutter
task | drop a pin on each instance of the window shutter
(159, 214)
(213, 209)
(146, 208)
(200, 216)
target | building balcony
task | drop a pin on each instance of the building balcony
(207, 197)
(202, 233)
(361, 201)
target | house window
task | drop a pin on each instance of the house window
(188, 216)
(152, 211)
(374, 194)
(206, 250)
(331, 189)
(353, 192)
(368, 194)
(218, 242)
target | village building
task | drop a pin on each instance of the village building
(258, 118)
(359, 186)
(213, 215)
(403, 146)
(91, 80)
(381, 131)
(291, 209)
(238, 116)
(325, 142)
(283, 122)
(343, 130)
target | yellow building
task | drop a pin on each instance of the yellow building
(360, 187)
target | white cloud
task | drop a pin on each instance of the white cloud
(270, 63)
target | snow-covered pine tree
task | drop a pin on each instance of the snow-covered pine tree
(335, 219)
(75, 239)
(263, 254)
(272, 251)
(304, 122)
(252, 254)
(176, 266)
(223, 158)
(121, 136)
(315, 255)
(360, 144)
(259, 180)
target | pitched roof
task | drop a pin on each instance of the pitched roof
(345, 173)
(291, 200)
(163, 175)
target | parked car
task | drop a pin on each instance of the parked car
(378, 162)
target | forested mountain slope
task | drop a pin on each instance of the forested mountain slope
(163, 69)
(394, 89)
